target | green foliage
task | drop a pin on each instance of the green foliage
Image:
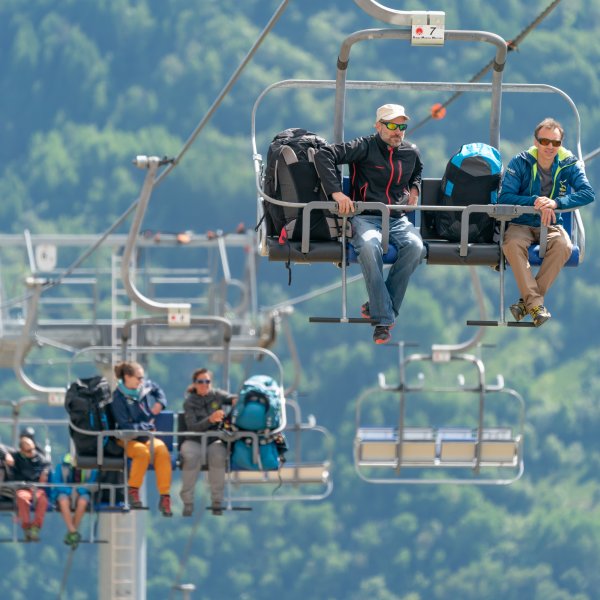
(86, 86)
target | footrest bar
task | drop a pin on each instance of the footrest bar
(341, 320)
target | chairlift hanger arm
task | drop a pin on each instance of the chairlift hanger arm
(511, 46)
(152, 163)
(393, 16)
(55, 395)
(469, 36)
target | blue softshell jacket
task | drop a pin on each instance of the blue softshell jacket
(521, 184)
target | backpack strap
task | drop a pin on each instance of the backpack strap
(284, 241)
(311, 159)
(289, 156)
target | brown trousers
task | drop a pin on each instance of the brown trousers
(517, 240)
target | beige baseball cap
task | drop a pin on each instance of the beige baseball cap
(388, 112)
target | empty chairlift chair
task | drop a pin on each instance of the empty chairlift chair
(488, 451)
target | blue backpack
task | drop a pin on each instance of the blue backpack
(472, 176)
(242, 459)
(271, 453)
(258, 407)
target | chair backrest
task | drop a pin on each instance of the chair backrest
(165, 421)
(181, 426)
(109, 463)
(430, 196)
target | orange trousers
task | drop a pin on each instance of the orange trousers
(139, 452)
(25, 498)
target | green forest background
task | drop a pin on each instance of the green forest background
(87, 85)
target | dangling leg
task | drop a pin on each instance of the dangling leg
(558, 251)
(192, 461)
(366, 240)
(407, 240)
(217, 463)
(517, 240)
(162, 466)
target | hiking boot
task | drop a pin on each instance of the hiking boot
(72, 539)
(188, 510)
(133, 495)
(217, 509)
(381, 334)
(518, 310)
(540, 314)
(33, 534)
(26, 533)
(364, 311)
(164, 505)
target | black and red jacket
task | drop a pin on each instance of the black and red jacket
(378, 173)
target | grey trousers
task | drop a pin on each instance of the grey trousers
(193, 460)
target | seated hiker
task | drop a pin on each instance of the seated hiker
(30, 466)
(383, 168)
(30, 433)
(7, 462)
(204, 411)
(72, 503)
(134, 406)
(548, 177)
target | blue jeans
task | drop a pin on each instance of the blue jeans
(385, 297)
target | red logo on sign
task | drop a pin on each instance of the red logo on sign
(419, 31)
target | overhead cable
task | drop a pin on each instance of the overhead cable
(439, 109)
(170, 162)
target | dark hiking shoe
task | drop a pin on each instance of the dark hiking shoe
(518, 310)
(364, 311)
(164, 505)
(382, 334)
(188, 510)
(540, 314)
(133, 495)
(217, 509)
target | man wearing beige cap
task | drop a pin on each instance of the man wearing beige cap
(383, 168)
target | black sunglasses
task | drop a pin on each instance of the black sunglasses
(547, 142)
(393, 126)
(201, 380)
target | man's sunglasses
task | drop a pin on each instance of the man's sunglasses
(547, 142)
(393, 126)
(202, 381)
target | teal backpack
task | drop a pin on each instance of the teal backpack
(259, 405)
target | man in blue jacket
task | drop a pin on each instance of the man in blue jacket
(383, 168)
(547, 177)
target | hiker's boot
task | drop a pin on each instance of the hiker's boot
(381, 334)
(72, 539)
(364, 311)
(34, 534)
(133, 495)
(164, 505)
(518, 310)
(540, 314)
(217, 509)
(188, 510)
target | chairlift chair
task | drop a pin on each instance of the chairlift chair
(479, 454)
(439, 251)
